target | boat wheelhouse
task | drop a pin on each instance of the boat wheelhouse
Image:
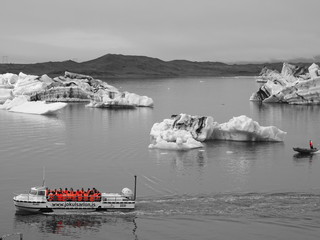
(42, 199)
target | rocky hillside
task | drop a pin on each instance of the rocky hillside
(123, 66)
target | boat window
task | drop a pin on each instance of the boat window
(34, 192)
(41, 193)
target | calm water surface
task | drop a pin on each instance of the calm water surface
(227, 190)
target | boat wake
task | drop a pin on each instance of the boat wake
(290, 209)
(266, 205)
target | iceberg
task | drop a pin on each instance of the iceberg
(71, 87)
(117, 100)
(243, 128)
(184, 131)
(294, 85)
(21, 104)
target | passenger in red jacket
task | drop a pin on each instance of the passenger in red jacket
(311, 144)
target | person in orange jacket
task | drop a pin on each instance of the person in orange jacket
(60, 196)
(85, 196)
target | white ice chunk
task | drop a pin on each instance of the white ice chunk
(8, 79)
(39, 107)
(140, 101)
(243, 128)
(14, 102)
(178, 144)
(22, 105)
(117, 99)
(294, 85)
(5, 93)
(29, 84)
(184, 131)
(313, 70)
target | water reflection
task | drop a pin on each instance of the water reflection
(276, 113)
(239, 157)
(75, 224)
(181, 160)
(302, 158)
(17, 119)
(227, 164)
(29, 134)
(239, 160)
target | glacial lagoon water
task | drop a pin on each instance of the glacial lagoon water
(227, 190)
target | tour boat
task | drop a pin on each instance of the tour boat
(41, 199)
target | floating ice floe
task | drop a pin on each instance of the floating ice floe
(71, 87)
(186, 132)
(22, 105)
(243, 128)
(294, 85)
(123, 100)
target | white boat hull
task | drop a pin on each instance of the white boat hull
(47, 206)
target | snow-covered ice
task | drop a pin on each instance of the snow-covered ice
(294, 85)
(22, 105)
(243, 128)
(184, 131)
(71, 87)
(123, 100)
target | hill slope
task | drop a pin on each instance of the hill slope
(123, 66)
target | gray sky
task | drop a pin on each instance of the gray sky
(196, 30)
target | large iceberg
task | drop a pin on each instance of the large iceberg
(71, 87)
(294, 85)
(184, 131)
(23, 105)
(78, 87)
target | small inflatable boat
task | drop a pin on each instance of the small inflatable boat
(305, 150)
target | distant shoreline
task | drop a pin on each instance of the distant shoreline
(113, 66)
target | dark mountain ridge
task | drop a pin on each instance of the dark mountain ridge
(126, 66)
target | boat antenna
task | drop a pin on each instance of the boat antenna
(135, 187)
(43, 177)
